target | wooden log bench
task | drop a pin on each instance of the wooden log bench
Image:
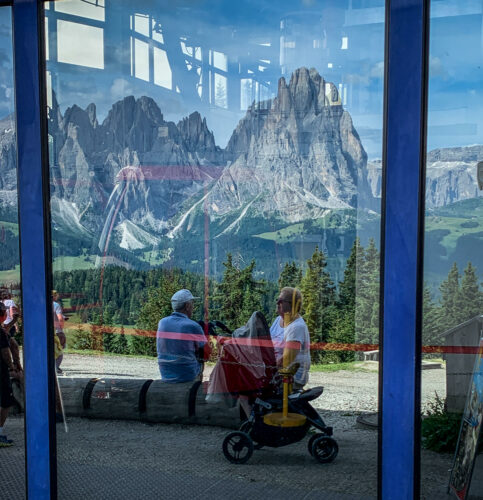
(146, 400)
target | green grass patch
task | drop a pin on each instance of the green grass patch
(86, 352)
(457, 227)
(69, 263)
(12, 226)
(10, 276)
(352, 366)
(282, 235)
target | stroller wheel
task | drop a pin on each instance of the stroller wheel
(246, 427)
(324, 449)
(311, 441)
(238, 447)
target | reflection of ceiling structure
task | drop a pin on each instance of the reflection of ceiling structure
(139, 44)
(181, 54)
(228, 68)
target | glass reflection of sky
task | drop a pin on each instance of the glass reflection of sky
(217, 57)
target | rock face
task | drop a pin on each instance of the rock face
(294, 156)
(450, 175)
(137, 178)
(130, 153)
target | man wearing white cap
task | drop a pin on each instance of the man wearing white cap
(178, 341)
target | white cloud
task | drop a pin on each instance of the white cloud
(436, 68)
(377, 71)
(120, 88)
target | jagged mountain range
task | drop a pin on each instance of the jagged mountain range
(137, 180)
(450, 175)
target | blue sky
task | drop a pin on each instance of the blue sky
(278, 36)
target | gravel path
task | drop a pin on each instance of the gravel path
(129, 459)
(348, 391)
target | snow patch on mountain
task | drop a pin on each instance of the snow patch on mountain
(66, 217)
(133, 237)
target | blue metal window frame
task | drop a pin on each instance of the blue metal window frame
(401, 249)
(404, 159)
(35, 252)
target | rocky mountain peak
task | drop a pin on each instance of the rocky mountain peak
(195, 133)
(132, 124)
(91, 113)
(76, 126)
(307, 90)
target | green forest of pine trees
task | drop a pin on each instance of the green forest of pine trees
(342, 313)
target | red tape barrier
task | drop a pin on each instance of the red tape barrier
(316, 346)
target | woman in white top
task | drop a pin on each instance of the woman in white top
(290, 335)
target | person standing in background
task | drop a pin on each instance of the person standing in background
(12, 314)
(59, 319)
(9, 325)
(7, 371)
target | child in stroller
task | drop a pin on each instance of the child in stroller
(246, 368)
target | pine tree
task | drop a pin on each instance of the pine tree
(430, 326)
(228, 296)
(96, 337)
(108, 336)
(471, 298)
(342, 332)
(367, 297)
(347, 288)
(291, 275)
(120, 345)
(239, 294)
(82, 339)
(318, 295)
(450, 312)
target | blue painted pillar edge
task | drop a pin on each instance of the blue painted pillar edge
(404, 157)
(35, 253)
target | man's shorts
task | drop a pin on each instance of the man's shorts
(62, 338)
(6, 395)
(11, 331)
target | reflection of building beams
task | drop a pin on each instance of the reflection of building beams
(183, 78)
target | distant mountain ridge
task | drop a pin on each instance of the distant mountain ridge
(450, 175)
(138, 181)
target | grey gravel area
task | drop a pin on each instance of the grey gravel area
(121, 459)
(126, 459)
(350, 391)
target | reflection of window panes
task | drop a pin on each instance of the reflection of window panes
(220, 91)
(199, 85)
(47, 38)
(162, 69)
(141, 60)
(91, 10)
(219, 60)
(188, 51)
(88, 53)
(264, 95)
(49, 88)
(157, 32)
(141, 24)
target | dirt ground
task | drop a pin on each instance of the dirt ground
(128, 459)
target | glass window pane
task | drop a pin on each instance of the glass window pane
(453, 264)
(12, 473)
(234, 156)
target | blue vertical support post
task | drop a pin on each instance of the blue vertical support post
(407, 25)
(35, 256)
